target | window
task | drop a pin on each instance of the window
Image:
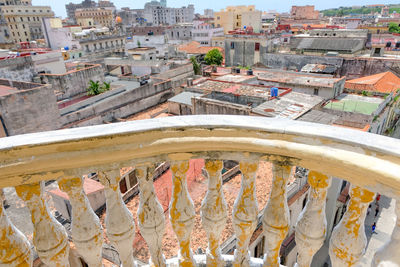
(29, 18)
(232, 45)
(11, 27)
(21, 18)
(26, 34)
(257, 46)
(23, 26)
(316, 91)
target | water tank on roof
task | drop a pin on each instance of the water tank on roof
(274, 92)
(66, 48)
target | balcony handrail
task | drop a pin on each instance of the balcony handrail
(364, 159)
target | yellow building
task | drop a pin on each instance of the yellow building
(88, 17)
(238, 17)
(25, 21)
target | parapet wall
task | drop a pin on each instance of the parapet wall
(75, 82)
(28, 111)
(350, 67)
(18, 69)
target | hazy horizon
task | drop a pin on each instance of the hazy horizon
(58, 6)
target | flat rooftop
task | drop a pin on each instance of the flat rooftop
(294, 78)
(291, 105)
(355, 103)
(235, 78)
(238, 88)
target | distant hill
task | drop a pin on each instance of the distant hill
(358, 10)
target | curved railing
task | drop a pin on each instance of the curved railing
(370, 162)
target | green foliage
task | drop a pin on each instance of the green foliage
(213, 57)
(95, 88)
(364, 93)
(394, 27)
(344, 11)
(106, 86)
(196, 66)
(138, 43)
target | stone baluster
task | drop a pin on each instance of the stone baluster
(86, 229)
(276, 215)
(14, 247)
(150, 216)
(348, 240)
(244, 214)
(49, 236)
(181, 212)
(389, 255)
(119, 221)
(311, 225)
(213, 212)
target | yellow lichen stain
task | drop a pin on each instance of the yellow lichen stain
(213, 166)
(318, 180)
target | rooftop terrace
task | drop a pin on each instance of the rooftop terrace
(355, 103)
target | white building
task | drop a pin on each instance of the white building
(57, 36)
(204, 32)
(159, 15)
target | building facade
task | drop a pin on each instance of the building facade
(238, 17)
(88, 17)
(25, 21)
(204, 32)
(71, 8)
(156, 14)
(304, 12)
(57, 36)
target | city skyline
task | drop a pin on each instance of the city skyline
(59, 7)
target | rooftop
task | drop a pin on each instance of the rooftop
(238, 88)
(355, 103)
(184, 98)
(291, 105)
(294, 78)
(385, 82)
(195, 48)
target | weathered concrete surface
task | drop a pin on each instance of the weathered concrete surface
(29, 110)
(120, 105)
(349, 67)
(74, 82)
(18, 69)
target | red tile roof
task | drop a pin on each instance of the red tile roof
(385, 82)
(195, 48)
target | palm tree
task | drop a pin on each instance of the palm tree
(94, 88)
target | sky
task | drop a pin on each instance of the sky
(58, 6)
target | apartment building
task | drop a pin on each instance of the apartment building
(24, 20)
(158, 15)
(203, 32)
(98, 16)
(238, 17)
(72, 7)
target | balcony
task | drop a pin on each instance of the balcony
(370, 162)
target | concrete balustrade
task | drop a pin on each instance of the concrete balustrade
(27, 160)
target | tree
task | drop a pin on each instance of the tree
(196, 66)
(394, 27)
(213, 57)
(139, 44)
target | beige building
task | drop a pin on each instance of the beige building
(304, 12)
(238, 17)
(25, 21)
(88, 17)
